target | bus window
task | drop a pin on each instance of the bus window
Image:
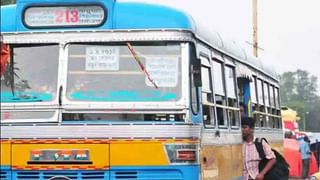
(260, 92)
(109, 72)
(230, 81)
(253, 91)
(254, 97)
(207, 99)
(271, 92)
(31, 74)
(276, 97)
(218, 78)
(233, 114)
(277, 102)
(261, 117)
(219, 88)
(205, 75)
(266, 94)
(267, 103)
(253, 94)
(272, 104)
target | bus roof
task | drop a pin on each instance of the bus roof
(133, 15)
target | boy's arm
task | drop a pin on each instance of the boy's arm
(268, 166)
(270, 156)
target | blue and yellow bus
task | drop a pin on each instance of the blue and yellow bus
(104, 89)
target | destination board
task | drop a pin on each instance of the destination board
(64, 16)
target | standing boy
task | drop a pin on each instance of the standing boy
(305, 155)
(251, 156)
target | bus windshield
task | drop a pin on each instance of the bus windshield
(30, 73)
(126, 72)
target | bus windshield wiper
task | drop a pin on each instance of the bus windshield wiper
(136, 57)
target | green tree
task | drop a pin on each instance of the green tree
(299, 92)
(287, 86)
(306, 86)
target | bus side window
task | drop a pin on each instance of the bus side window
(272, 107)
(219, 88)
(253, 91)
(233, 113)
(260, 106)
(207, 97)
(254, 99)
(266, 103)
(277, 99)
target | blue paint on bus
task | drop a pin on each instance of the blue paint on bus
(8, 18)
(141, 16)
(8, 97)
(177, 172)
(121, 96)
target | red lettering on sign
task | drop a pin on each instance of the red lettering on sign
(59, 16)
(67, 16)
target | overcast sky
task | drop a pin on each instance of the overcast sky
(288, 30)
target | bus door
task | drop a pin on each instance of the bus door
(244, 79)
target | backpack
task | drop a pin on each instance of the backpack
(280, 170)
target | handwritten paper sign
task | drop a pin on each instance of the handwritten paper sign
(102, 58)
(163, 71)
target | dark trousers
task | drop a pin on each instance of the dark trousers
(305, 168)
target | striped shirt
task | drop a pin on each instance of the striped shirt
(251, 158)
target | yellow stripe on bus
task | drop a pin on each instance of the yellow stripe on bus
(102, 153)
(5, 153)
(145, 154)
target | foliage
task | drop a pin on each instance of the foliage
(298, 86)
(299, 92)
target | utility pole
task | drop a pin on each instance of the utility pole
(255, 27)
